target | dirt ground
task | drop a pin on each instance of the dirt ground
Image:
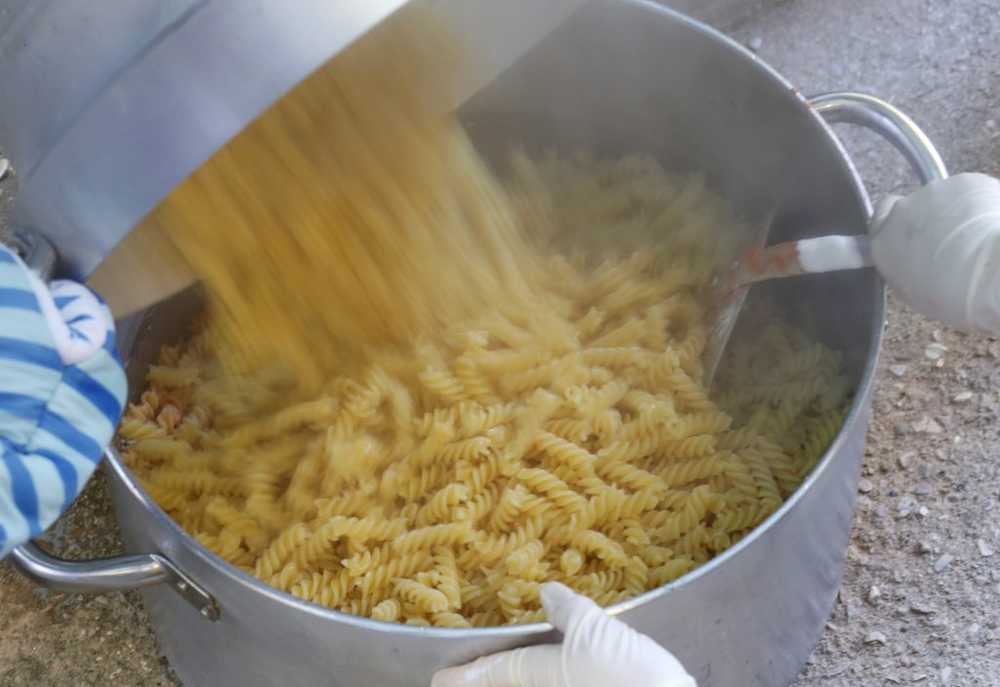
(921, 598)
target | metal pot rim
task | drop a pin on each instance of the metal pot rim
(522, 632)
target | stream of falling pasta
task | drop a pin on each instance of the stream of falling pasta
(350, 214)
(416, 398)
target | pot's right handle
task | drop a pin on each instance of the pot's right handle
(111, 574)
(890, 123)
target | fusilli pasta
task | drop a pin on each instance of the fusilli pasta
(573, 440)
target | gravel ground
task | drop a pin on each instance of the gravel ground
(922, 589)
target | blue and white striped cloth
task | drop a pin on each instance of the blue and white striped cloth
(62, 390)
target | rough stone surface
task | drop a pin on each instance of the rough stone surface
(50, 639)
(7, 185)
(938, 61)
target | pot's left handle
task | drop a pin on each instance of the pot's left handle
(103, 574)
(111, 574)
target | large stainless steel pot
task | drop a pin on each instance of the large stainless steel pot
(623, 75)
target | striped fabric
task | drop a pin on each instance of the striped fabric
(62, 388)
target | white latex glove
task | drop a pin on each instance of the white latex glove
(597, 651)
(939, 249)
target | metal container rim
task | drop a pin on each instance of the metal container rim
(238, 576)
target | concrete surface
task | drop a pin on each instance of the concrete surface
(922, 590)
(722, 13)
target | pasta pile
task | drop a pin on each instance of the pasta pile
(566, 435)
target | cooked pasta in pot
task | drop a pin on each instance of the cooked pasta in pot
(420, 393)
(572, 441)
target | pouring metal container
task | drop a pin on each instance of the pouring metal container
(102, 129)
(621, 76)
(109, 105)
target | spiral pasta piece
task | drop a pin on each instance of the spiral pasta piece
(427, 599)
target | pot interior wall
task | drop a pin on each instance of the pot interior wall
(615, 82)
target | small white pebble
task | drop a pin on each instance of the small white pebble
(943, 562)
(905, 507)
(935, 351)
(927, 425)
(875, 637)
(985, 550)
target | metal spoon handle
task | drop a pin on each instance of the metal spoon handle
(794, 258)
(784, 260)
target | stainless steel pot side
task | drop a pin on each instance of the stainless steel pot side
(621, 76)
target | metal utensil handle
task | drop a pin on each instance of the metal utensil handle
(111, 574)
(785, 259)
(887, 121)
(895, 127)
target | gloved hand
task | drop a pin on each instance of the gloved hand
(597, 651)
(939, 249)
(62, 389)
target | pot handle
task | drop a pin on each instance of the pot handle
(111, 574)
(36, 251)
(890, 123)
(102, 574)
